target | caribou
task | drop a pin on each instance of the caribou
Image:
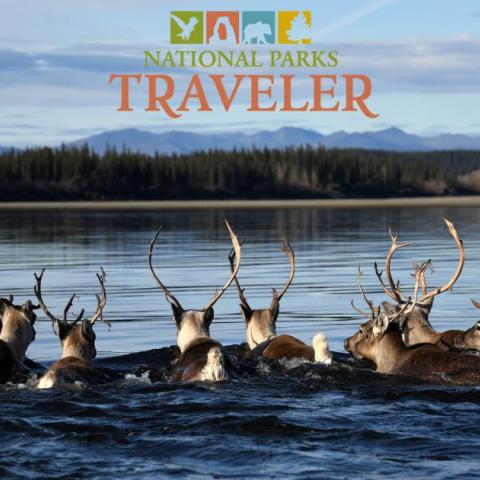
(201, 357)
(415, 324)
(380, 341)
(77, 338)
(261, 332)
(17, 333)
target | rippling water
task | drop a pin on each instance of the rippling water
(302, 423)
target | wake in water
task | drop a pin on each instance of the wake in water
(283, 419)
(158, 366)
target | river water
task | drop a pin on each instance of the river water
(304, 422)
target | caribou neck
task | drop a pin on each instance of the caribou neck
(389, 350)
(16, 336)
(256, 335)
(417, 328)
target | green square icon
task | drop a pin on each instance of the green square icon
(186, 27)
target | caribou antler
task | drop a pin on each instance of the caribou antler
(460, 264)
(38, 293)
(402, 310)
(170, 298)
(359, 311)
(237, 251)
(101, 299)
(394, 291)
(375, 310)
(276, 297)
(475, 303)
(241, 291)
(421, 269)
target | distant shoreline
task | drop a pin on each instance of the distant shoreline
(417, 202)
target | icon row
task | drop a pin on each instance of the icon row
(233, 27)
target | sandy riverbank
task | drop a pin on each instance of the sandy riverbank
(471, 201)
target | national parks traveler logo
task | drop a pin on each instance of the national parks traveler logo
(223, 28)
(258, 27)
(294, 27)
(186, 27)
(218, 28)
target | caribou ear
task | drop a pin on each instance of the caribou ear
(177, 313)
(29, 308)
(57, 328)
(380, 325)
(247, 312)
(87, 329)
(275, 312)
(208, 317)
(4, 303)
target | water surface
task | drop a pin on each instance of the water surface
(302, 425)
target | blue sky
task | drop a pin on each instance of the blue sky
(56, 55)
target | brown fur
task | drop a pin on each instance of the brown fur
(417, 330)
(193, 359)
(288, 347)
(75, 343)
(449, 339)
(261, 324)
(16, 335)
(77, 339)
(431, 363)
(75, 369)
(427, 362)
(75, 365)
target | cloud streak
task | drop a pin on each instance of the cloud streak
(351, 19)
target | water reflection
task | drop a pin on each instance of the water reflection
(192, 260)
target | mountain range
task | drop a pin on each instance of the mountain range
(178, 142)
(184, 142)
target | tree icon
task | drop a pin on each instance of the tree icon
(299, 29)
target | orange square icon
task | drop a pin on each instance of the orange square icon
(223, 28)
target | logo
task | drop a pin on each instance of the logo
(223, 28)
(294, 27)
(233, 27)
(186, 27)
(258, 28)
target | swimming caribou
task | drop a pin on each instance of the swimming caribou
(201, 357)
(77, 339)
(379, 340)
(262, 335)
(17, 333)
(415, 324)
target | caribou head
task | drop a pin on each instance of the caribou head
(261, 323)
(364, 344)
(415, 324)
(468, 339)
(192, 323)
(17, 326)
(77, 336)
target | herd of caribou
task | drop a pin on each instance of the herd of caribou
(397, 337)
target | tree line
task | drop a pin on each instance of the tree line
(78, 173)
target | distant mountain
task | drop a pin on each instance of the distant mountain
(185, 142)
